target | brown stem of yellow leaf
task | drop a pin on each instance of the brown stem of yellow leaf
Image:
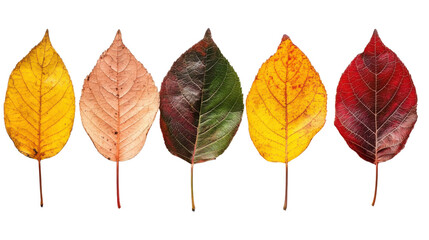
(40, 183)
(285, 205)
(376, 183)
(192, 186)
(117, 184)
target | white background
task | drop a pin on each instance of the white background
(239, 195)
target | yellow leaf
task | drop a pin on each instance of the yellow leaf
(286, 105)
(39, 106)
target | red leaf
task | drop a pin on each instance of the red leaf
(376, 103)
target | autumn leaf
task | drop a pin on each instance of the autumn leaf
(286, 105)
(201, 104)
(40, 104)
(376, 104)
(118, 105)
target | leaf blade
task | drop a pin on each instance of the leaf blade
(286, 105)
(376, 103)
(195, 103)
(119, 103)
(39, 106)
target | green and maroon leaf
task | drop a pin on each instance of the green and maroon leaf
(201, 103)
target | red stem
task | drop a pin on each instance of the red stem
(376, 183)
(117, 184)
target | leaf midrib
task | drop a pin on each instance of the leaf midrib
(286, 108)
(118, 135)
(376, 102)
(201, 106)
(38, 154)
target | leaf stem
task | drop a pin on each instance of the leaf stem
(286, 178)
(192, 186)
(376, 183)
(40, 183)
(117, 184)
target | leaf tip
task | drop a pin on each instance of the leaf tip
(46, 36)
(375, 34)
(118, 36)
(285, 37)
(375, 44)
(208, 34)
(375, 37)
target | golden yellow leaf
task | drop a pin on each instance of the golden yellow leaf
(40, 104)
(286, 105)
